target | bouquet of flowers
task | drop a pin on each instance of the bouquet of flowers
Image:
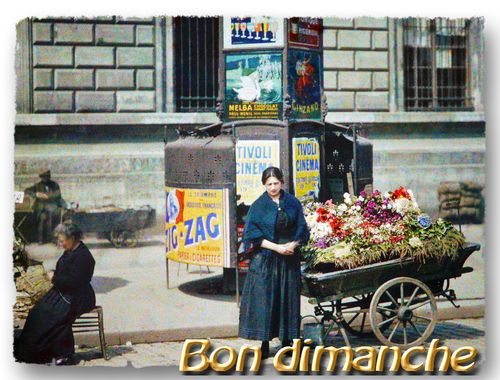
(372, 228)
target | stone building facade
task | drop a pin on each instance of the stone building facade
(93, 97)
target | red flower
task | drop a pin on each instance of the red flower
(396, 239)
(335, 223)
(400, 193)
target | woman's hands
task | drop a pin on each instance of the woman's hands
(282, 249)
(287, 248)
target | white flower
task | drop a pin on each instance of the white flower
(361, 199)
(358, 208)
(415, 242)
(311, 218)
(402, 205)
(347, 198)
(320, 230)
(359, 231)
(343, 207)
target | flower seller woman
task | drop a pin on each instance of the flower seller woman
(270, 302)
(47, 333)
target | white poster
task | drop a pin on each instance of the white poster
(252, 158)
(252, 32)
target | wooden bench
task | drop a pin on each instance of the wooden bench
(92, 321)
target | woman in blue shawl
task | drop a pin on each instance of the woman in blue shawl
(270, 302)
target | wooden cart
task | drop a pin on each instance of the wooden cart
(393, 300)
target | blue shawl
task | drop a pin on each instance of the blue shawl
(261, 221)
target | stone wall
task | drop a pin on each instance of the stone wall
(100, 65)
(356, 63)
(131, 174)
(421, 164)
(128, 175)
(95, 87)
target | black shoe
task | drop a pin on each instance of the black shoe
(264, 349)
(64, 361)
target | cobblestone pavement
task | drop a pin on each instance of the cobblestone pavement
(453, 333)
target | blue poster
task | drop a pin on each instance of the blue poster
(304, 84)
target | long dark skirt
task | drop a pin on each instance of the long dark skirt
(47, 333)
(270, 300)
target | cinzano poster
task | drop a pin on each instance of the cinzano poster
(304, 84)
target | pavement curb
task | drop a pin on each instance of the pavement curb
(446, 311)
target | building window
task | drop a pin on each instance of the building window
(196, 55)
(435, 64)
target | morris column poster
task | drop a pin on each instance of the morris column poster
(244, 32)
(197, 226)
(252, 158)
(306, 167)
(305, 32)
(304, 84)
(254, 86)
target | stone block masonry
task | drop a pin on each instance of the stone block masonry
(356, 63)
(93, 65)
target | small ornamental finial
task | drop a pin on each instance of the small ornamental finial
(324, 107)
(219, 109)
(287, 107)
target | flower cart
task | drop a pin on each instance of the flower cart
(375, 265)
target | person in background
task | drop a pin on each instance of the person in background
(47, 334)
(47, 206)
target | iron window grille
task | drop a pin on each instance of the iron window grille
(436, 64)
(196, 61)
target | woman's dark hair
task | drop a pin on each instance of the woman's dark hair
(69, 230)
(272, 171)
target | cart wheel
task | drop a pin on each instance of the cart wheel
(412, 317)
(116, 239)
(129, 239)
(355, 313)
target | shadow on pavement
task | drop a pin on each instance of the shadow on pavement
(107, 284)
(207, 288)
(93, 353)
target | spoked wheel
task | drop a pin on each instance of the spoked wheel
(356, 315)
(121, 239)
(411, 317)
(114, 238)
(129, 239)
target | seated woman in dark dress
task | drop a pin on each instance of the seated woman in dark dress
(270, 302)
(47, 333)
